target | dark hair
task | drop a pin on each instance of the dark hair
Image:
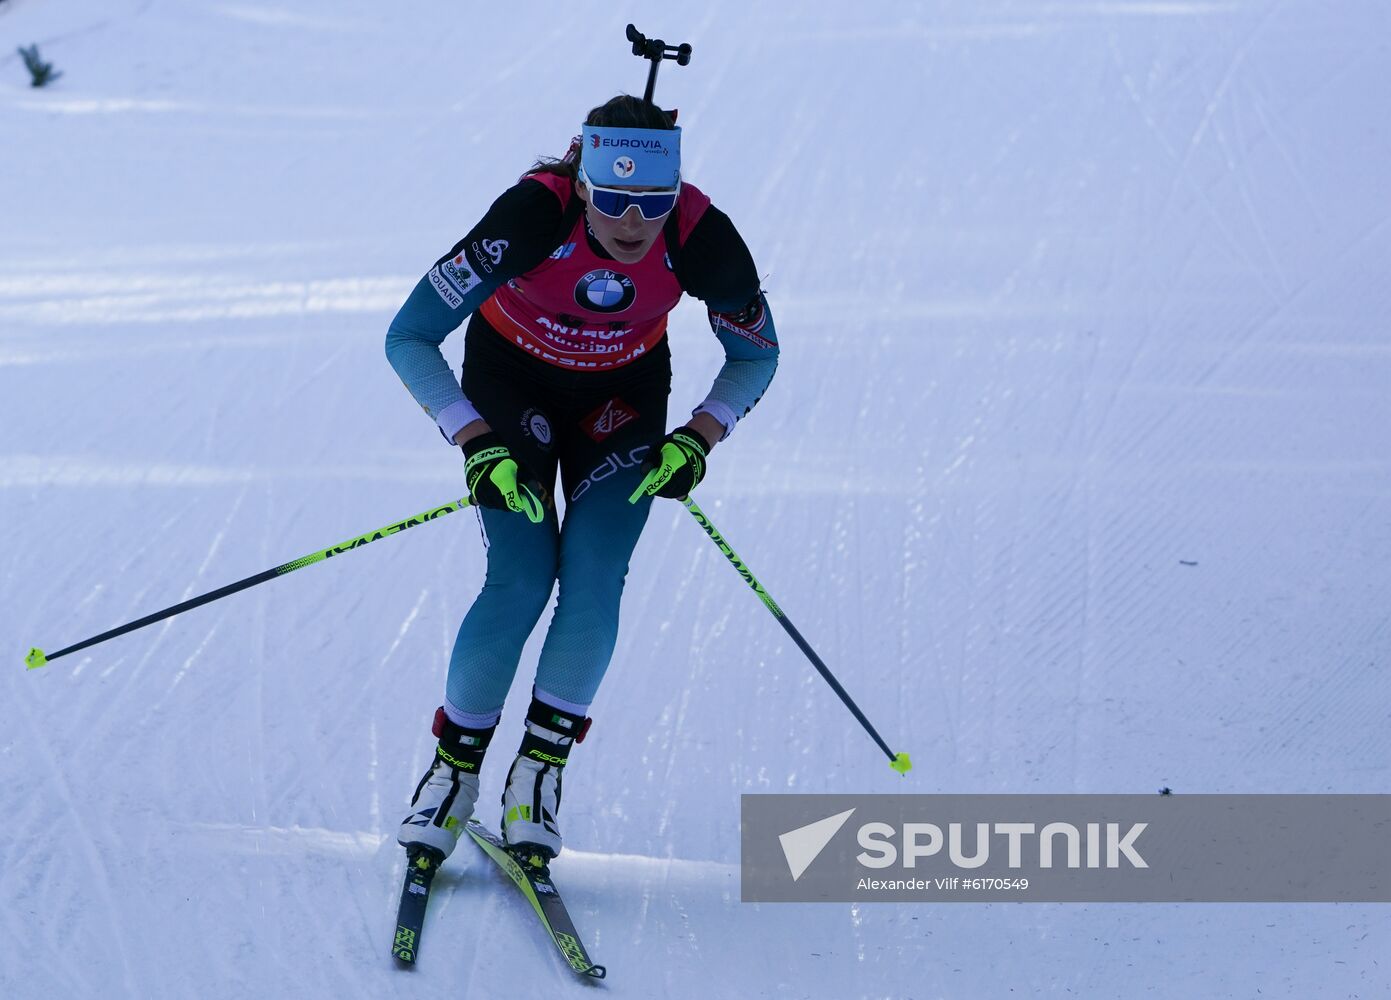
(623, 111)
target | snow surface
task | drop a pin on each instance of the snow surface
(1075, 470)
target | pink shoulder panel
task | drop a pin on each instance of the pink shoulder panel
(561, 186)
(692, 203)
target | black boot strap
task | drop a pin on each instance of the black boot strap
(459, 746)
(540, 749)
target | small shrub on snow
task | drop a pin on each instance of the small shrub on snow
(40, 72)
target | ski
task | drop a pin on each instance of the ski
(533, 878)
(421, 865)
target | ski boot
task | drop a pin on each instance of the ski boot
(531, 800)
(446, 795)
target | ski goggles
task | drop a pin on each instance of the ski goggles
(614, 202)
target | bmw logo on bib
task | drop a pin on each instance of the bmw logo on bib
(605, 291)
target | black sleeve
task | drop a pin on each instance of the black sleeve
(519, 231)
(715, 266)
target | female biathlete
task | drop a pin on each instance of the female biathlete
(567, 282)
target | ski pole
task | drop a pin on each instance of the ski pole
(899, 762)
(38, 658)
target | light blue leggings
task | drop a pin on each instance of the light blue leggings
(589, 556)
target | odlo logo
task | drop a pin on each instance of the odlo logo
(969, 846)
(611, 464)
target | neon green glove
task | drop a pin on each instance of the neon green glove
(674, 466)
(496, 480)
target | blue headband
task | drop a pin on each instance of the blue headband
(631, 157)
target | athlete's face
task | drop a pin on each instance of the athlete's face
(627, 239)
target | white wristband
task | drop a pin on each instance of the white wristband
(455, 417)
(722, 412)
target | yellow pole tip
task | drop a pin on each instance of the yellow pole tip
(901, 763)
(35, 659)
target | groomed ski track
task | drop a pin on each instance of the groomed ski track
(1074, 471)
